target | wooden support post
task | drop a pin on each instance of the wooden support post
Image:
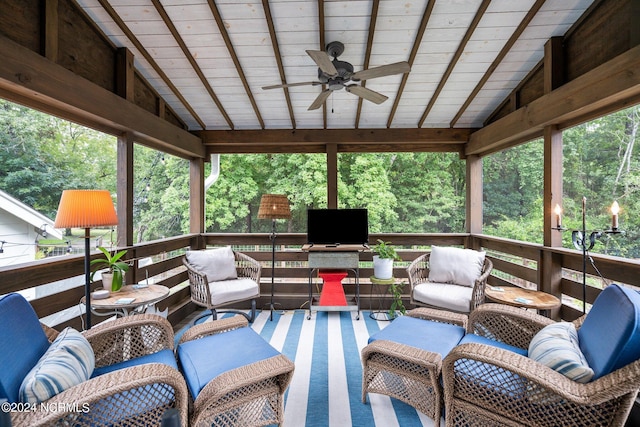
(196, 196)
(550, 271)
(50, 30)
(554, 75)
(124, 180)
(474, 215)
(125, 74)
(332, 176)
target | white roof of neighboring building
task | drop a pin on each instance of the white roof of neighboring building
(28, 214)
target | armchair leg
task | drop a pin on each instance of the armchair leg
(214, 313)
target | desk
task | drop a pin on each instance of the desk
(510, 294)
(340, 259)
(143, 298)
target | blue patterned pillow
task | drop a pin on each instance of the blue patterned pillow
(69, 361)
(556, 346)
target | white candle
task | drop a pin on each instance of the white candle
(615, 209)
(558, 211)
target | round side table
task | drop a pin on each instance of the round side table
(380, 289)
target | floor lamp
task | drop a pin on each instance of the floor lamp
(86, 209)
(273, 206)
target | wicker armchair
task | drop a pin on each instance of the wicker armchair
(215, 294)
(418, 273)
(488, 385)
(121, 391)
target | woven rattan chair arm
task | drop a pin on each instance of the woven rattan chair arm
(248, 267)
(439, 316)
(155, 333)
(49, 332)
(232, 384)
(82, 397)
(215, 327)
(426, 359)
(539, 376)
(511, 325)
(418, 271)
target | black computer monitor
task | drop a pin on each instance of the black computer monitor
(337, 226)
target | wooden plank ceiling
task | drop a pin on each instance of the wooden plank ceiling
(210, 59)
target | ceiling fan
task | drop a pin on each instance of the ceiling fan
(338, 74)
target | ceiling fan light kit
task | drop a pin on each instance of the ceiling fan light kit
(336, 75)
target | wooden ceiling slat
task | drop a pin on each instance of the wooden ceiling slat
(321, 29)
(278, 56)
(196, 68)
(412, 57)
(234, 58)
(474, 24)
(367, 56)
(125, 29)
(494, 65)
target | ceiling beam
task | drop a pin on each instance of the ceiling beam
(348, 140)
(609, 87)
(454, 61)
(147, 56)
(367, 55)
(31, 80)
(412, 57)
(524, 24)
(278, 56)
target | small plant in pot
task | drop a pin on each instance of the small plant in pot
(396, 303)
(113, 279)
(383, 260)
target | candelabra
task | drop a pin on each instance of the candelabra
(583, 242)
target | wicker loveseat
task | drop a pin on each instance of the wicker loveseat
(135, 380)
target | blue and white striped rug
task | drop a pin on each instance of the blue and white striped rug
(327, 383)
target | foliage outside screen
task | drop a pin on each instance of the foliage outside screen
(404, 192)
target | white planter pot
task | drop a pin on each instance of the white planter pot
(107, 282)
(382, 267)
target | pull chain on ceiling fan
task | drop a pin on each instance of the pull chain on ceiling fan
(338, 74)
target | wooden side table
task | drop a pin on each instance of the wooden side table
(520, 297)
(142, 298)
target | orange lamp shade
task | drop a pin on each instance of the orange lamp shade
(85, 209)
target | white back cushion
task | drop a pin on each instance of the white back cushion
(455, 265)
(217, 264)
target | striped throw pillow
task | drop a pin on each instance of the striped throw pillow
(68, 361)
(557, 347)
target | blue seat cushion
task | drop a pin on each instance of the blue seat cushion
(206, 358)
(477, 339)
(424, 334)
(163, 356)
(610, 334)
(23, 342)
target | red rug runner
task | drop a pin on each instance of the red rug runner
(332, 292)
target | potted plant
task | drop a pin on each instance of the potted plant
(396, 302)
(113, 279)
(383, 260)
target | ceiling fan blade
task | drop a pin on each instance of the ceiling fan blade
(367, 94)
(291, 85)
(323, 61)
(320, 99)
(383, 70)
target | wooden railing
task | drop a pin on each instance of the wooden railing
(518, 263)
